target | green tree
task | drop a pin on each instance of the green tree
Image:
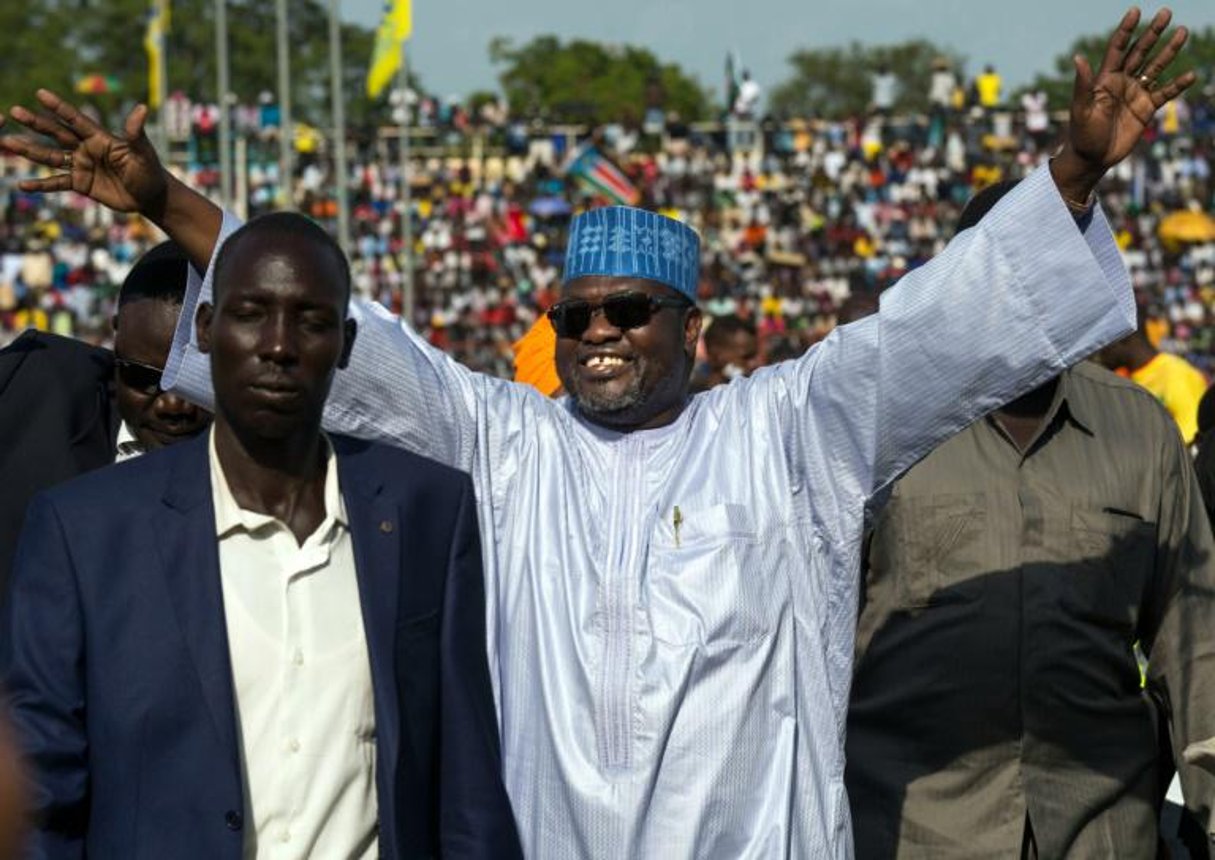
(837, 81)
(585, 81)
(478, 99)
(1199, 54)
(30, 33)
(106, 37)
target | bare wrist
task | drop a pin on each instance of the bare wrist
(157, 207)
(1075, 178)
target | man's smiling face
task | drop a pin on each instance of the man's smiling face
(628, 378)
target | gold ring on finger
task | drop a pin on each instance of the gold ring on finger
(1147, 81)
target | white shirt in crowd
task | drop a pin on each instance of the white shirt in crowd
(940, 89)
(1036, 118)
(749, 93)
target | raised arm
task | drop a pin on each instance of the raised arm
(1005, 307)
(1036, 286)
(1111, 107)
(397, 388)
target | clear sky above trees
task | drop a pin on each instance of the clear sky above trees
(1021, 38)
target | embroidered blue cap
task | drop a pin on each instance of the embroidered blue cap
(625, 242)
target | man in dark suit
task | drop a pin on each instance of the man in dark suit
(67, 407)
(264, 639)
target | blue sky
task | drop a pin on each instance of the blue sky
(1019, 36)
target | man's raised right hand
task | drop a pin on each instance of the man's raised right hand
(123, 173)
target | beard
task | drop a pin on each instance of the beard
(610, 407)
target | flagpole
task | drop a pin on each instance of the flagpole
(286, 141)
(340, 167)
(406, 196)
(162, 81)
(225, 119)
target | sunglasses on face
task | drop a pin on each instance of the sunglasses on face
(624, 311)
(136, 375)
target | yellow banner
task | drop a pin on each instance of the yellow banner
(395, 27)
(154, 44)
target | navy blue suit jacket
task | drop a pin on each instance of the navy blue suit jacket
(116, 668)
(57, 420)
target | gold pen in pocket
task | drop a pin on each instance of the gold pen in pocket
(677, 521)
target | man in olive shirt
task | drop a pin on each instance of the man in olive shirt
(996, 708)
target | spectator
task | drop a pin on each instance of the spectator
(941, 85)
(1037, 120)
(989, 88)
(746, 105)
(731, 351)
(1176, 383)
(885, 88)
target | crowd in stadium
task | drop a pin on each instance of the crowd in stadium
(794, 221)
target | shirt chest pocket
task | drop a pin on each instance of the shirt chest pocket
(712, 580)
(1108, 558)
(927, 547)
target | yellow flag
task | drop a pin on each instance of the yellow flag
(395, 27)
(154, 44)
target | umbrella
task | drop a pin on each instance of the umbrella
(96, 84)
(550, 207)
(1187, 226)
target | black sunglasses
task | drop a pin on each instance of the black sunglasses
(572, 317)
(143, 378)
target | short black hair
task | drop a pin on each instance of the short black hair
(284, 224)
(723, 328)
(161, 274)
(857, 306)
(982, 203)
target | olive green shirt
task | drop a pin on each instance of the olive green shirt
(996, 678)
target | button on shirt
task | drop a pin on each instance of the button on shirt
(302, 679)
(996, 676)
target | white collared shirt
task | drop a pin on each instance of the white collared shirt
(127, 446)
(302, 679)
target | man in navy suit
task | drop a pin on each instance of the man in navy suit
(67, 408)
(265, 640)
